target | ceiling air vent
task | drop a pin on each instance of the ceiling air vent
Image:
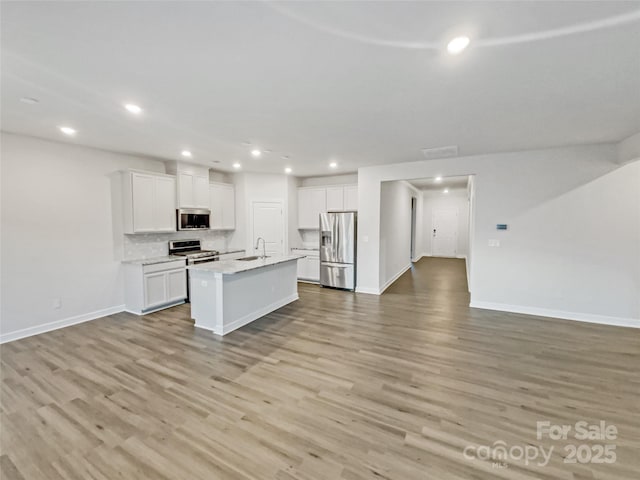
(440, 152)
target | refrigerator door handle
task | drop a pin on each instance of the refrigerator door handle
(336, 232)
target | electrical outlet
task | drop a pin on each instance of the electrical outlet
(494, 243)
(57, 304)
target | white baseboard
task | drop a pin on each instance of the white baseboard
(368, 291)
(161, 307)
(394, 278)
(417, 259)
(380, 291)
(242, 321)
(65, 322)
(564, 315)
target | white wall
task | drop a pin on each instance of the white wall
(395, 229)
(456, 198)
(347, 179)
(59, 238)
(294, 235)
(563, 253)
(629, 149)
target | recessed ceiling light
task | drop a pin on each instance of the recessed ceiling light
(437, 179)
(446, 190)
(287, 170)
(256, 153)
(236, 165)
(68, 131)
(133, 108)
(29, 100)
(457, 45)
(333, 164)
(186, 153)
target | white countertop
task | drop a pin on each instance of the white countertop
(171, 258)
(154, 260)
(229, 267)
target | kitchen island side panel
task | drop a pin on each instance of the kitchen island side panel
(223, 303)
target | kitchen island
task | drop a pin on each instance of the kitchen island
(228, 294)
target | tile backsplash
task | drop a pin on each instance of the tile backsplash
(149, 245)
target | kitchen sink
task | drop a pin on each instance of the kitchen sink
(248, 259)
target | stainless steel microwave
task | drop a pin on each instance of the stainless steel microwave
(193, 218)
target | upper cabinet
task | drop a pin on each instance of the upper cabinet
(351, 197)
(335, 199)
(193, 190)
(312, 201)
(193, 184)
(149, 202)
(222, 204)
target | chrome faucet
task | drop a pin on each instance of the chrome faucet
(264, 248)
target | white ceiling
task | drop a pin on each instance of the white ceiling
(358, 83)
(446, 182)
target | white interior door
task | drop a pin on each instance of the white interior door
(444, 232)
(267, 219)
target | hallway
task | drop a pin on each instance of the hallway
(434, 279)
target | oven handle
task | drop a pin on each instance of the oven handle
(203, 260)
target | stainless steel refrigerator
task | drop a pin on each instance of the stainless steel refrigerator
(338, 249)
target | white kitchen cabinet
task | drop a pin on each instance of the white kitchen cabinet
(312, 202)
(335, 199)
(176, 281)
(201, 191)
(149, 202)
(309, 266)
(153, 287)
(351, 197)
(193, 190)
(222, 203)
(165, 204)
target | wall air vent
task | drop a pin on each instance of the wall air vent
(440, 152)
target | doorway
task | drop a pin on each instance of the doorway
(267, 222)
(445, 232)
(413, 228)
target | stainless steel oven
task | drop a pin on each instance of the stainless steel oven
(193, 252)
(193, 218)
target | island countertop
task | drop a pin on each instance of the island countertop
(230, 267)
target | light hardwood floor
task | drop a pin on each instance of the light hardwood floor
(334, 386)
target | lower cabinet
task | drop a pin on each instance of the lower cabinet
(152, 287)
(309, 266)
